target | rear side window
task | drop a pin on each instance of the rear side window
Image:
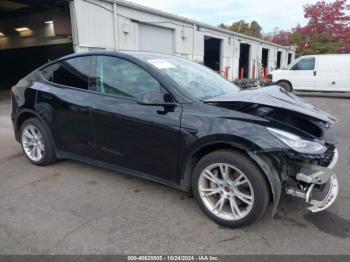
(72, 72)
(305, 64)
(115, 76)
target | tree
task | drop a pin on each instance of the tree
(251, 29)
(255, 29)
(281, 37)
(327, 31)
(223, 26)
(323, 44)
(330, 21)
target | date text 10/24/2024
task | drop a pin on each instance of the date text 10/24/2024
(173, 258)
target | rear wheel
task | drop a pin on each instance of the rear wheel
(230, 188)
(36, 143)
(287, 86)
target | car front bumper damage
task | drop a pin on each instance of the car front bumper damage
(312, 177)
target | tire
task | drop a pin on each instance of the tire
(238, 164)
(286, 86)
(42, 142)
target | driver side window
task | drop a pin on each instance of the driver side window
(305, 64)
(119, 77)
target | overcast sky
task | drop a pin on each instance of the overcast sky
(284, 14)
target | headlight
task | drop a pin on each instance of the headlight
(297, 143)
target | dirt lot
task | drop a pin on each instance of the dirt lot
(73, 208)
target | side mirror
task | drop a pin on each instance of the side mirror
(155, 98)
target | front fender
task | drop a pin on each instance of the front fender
(188, 156)
(271, 173)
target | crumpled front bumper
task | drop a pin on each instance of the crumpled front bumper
(318, 176)
(320, 205)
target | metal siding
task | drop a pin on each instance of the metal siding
(95, 24)
(156, 39)
(137, 28)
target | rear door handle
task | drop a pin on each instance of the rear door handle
(315, 73)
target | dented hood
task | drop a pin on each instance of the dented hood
(276, 96)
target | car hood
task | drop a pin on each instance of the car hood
(276, 96)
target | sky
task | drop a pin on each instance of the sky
(270, 14)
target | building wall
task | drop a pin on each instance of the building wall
(102, 24)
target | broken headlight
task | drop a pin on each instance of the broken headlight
(297, 143)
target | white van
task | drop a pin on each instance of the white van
(315, 73)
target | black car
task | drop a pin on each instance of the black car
(173, 121)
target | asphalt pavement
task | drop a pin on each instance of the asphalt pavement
(74, 208)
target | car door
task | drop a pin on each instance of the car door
(63, 100)
(137, 137)
(303, 74)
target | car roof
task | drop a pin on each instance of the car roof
(322, 55)
(113, 53)
(91, 53)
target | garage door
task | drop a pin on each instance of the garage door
(156, 39)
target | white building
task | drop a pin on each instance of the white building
(83, 25)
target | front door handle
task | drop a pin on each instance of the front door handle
(315, 73)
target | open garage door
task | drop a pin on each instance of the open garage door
(279, 60)
(290, 57)
(32, 33)
(17, 63)
(244, 60)
(265, 62)
(212, 53)
(156, 39)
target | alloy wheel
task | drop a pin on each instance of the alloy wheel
(226, 191)
(33, 143)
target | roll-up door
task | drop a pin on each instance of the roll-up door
(156, 39)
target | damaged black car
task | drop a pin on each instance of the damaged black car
(173, 121)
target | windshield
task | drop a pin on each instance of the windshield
(293, 63)
(195, 79)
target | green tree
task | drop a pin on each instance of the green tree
(255, 29)
(296, 39)
(323, 44)
(246, 28)
(223, 26)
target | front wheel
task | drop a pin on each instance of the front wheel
(230, 188)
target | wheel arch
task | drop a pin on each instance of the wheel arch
(206, 145)
(286, 81)
(23, 117)
(26, 114)
(263, 163)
